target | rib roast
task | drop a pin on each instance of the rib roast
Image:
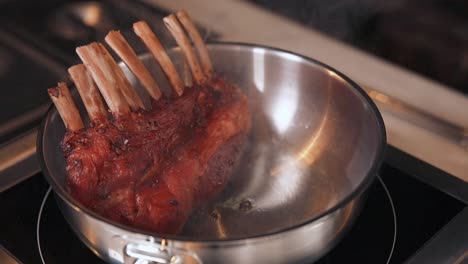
(151, 166)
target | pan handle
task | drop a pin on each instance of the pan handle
(145, 251)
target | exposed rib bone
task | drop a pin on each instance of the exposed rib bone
(120, 45)
(66, 107)
(123, 83)
(104, 77)
(200, 46)
(88, 92)
(143, 31)
(182, 39)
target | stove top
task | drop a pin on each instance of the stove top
(401, 215)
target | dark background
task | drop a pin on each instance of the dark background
(429, 37)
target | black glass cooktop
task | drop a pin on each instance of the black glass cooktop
(421, 211)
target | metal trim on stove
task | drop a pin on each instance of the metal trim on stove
(18, 152)
(18, 160)
(428, 174)
(449, 246)
(31, 117)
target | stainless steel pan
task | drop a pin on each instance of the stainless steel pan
(316, 145)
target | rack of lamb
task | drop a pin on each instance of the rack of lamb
(150, 166)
